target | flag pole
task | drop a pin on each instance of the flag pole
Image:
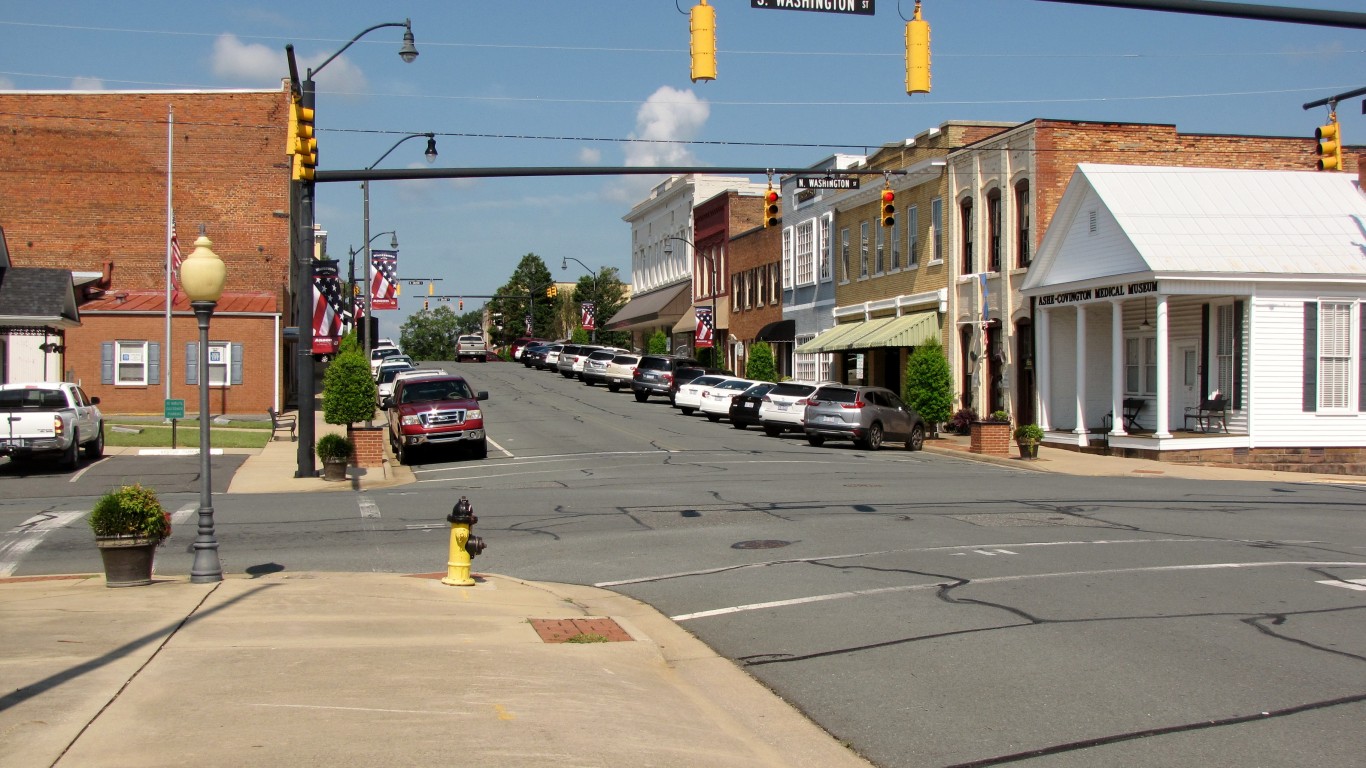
(170, 235)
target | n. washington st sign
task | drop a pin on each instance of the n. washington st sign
(859, 7)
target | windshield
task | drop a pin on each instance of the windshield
(433, 391)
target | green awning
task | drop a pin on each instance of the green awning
(905, 331)
(824, 342)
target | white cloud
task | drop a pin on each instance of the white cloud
(590, 156)
(6, 84)
(262, 65)
(669, 115)
(87, 84)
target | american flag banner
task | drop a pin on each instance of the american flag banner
(528, 324)
(175, 258)
(588, 316)
(383, 280)
(705, 327)
(329, 308)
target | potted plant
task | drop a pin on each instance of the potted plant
(129, 524)
(1028, 437)
(335, 451)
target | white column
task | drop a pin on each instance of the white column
(1080, 429)
(1117, 368)
(1043, 367)
(1163, 370)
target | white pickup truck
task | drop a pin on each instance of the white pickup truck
(470, 346)
(49, 418)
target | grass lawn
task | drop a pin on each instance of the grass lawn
(242, 434)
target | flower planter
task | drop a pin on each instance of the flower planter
(1029, 451)
(334, 469)
(127, 561)
(990, 437)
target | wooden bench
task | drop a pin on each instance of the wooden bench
(278, 423)
(1207, 412)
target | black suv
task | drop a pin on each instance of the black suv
(655, 375)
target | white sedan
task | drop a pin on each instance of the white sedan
(689, 396)
(715, 402)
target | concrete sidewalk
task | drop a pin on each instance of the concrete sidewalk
(324, 669)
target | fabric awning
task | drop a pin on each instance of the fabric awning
(687, 323)
(660, 307)
(826, 341)
(781, 330)
(905, 331)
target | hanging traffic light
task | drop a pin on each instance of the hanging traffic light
(702, 24)
(917, 54)
(461, 305)
(302, 145)
(425, 305)
(887, 214)
(772, 210)
(1329, 138)
(551, 292)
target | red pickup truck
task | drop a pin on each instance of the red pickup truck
(434, 411)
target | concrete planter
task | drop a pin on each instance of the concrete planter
(127, 561)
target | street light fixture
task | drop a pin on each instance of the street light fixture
(430, 154)
(668, 251)
(202, 277)
(564, 264)
(302, 192)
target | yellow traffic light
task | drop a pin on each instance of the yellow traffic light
(1329, 138)
(917, 54)
(302, 145)
(887, 215)
(772, 210)
(551, 292)
(702, 23)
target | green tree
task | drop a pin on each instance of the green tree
(430, 334)
(608, 295)
(349, 343)
(929, 388)
(657, 344)
(348, 390)
(759, 365)
(524, 290)
(579, 336)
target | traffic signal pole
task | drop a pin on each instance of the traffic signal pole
(1346, 19)
(303, 240)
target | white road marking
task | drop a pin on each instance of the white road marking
(29, 534)
(368, 509)
(499, 447)
(182, 516)
(1357, 584)
(998, 580)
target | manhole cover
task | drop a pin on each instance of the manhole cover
(760, 544)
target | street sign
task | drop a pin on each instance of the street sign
(175, 409)
(827, 182)
(859, 7)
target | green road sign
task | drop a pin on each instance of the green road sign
(175, 409)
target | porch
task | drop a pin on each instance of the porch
(1233, 449)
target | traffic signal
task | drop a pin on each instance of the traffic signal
(771, 208)
(551, 292)
(1329, 138)
(302, 145)
(425, 305)
(917, 54)
(461, 306)
(702, 24)
(887, 213)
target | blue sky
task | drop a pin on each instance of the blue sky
(554, 83)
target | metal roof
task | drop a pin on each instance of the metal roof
(140, 302)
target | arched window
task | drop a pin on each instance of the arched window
(994, 214)
(965, 221)
(1022, 244)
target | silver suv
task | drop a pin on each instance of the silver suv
(866, 415)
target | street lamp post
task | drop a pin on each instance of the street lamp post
(564, 264)
(668, 251)
(430, 154)
(302, 191)
(351, 278)
(202, 277)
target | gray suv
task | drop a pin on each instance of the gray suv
(866, 415)
(655, 375)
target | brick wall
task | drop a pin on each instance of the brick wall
(990, 437)
(369, 445)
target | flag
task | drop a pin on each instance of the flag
(528, 324)
(175, 258)
(986, 314)
(704, 337)
(329, 309)
(383, 280)
(588, 316)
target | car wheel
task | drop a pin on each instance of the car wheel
(401, 453)
(873, 441)
(94, 450)
(588, 382)
(70, 457)
(713, 417)
(815, 440)
(686, 410)
(772, 431)
(480, 450)
(613, 387)
(642, 396)
(738, 424)
(917, 438)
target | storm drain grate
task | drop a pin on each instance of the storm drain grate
(1015, 519)
(579, 630)
(760, 544)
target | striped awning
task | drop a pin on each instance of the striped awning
(905, 331)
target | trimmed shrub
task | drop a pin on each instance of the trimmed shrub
(349, 390)
(929, 386)
(131, 511)
(759, 365)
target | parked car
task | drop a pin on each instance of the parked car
(688, 398)
(595, 365)
(393, 362)
(471, 346)
(389, 378)
(716, 400)
(654, 375)
(378, 355)
(686, 373)
(744, 407)
(532, 354)
(572, 357)
(784, 408)
(440, 410)
(865, 415)
(620, 370)
(54, 419)
(552, 357)
(517, 347)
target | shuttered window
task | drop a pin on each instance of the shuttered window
(1223, 349)
(1335, 355)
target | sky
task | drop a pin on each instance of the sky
(605, 83)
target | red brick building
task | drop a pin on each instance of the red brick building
(86, 177)
(756, 296)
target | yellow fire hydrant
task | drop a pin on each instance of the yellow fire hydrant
(463, 545)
